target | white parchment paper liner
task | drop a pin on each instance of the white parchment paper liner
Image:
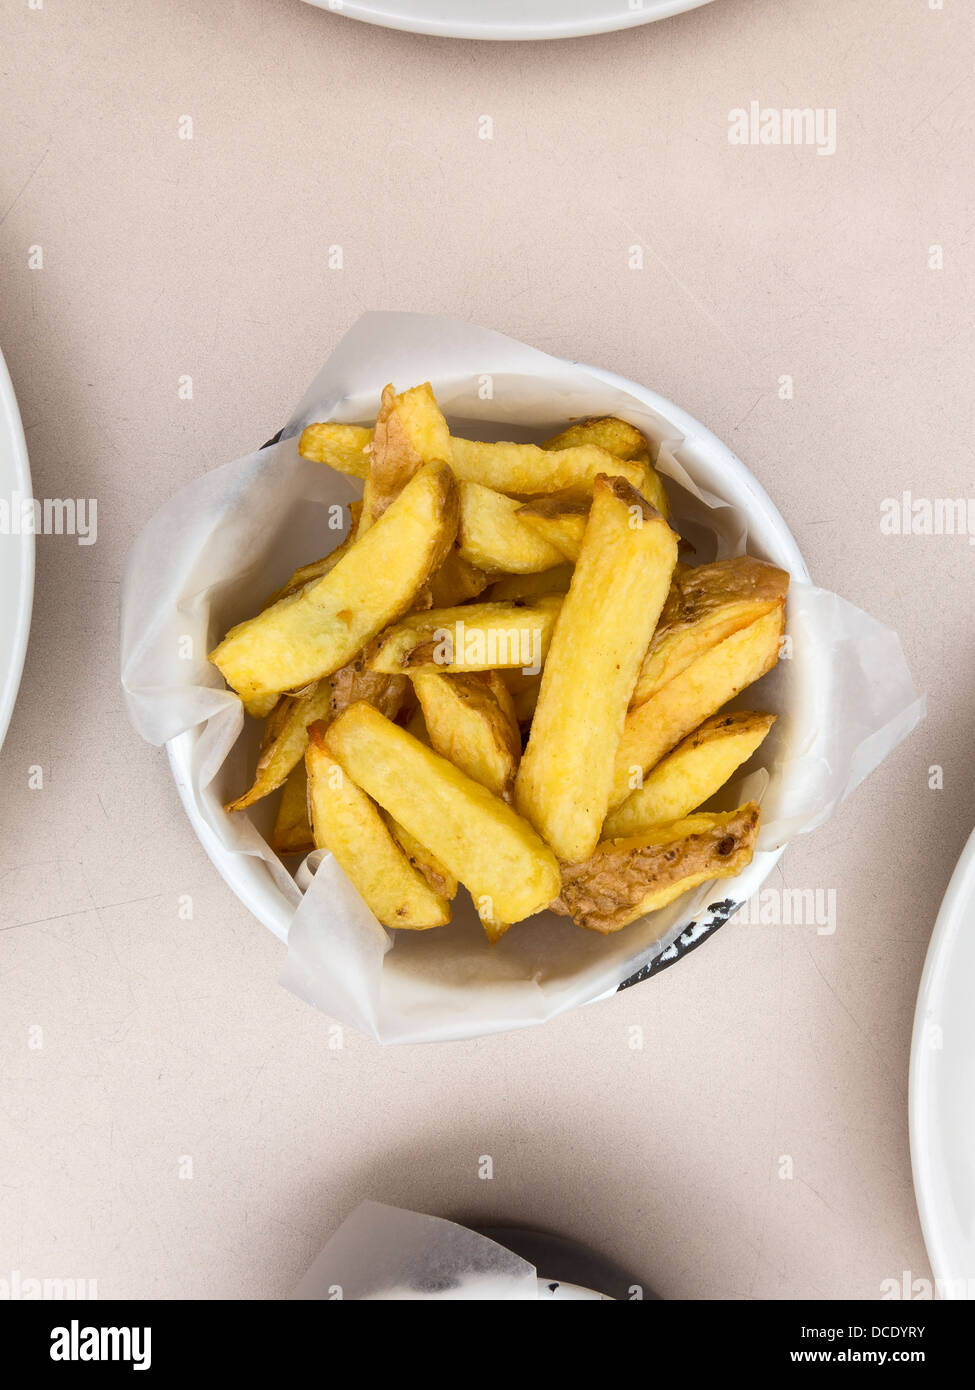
(382, 1252)
(212, 553)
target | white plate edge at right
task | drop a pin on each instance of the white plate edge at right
(937, 1114)
(15, 624)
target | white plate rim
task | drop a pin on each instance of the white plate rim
(931, 1183)
(617, 17)
(248, 876)
(14, 447)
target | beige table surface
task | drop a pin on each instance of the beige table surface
(164, 1039)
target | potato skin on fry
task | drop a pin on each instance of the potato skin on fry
(705, 605)
(508, 870)
(314, 632)
(655, 727)
(292, 832)
(607, 431)
(617, 591)
(624, 879)
(691, 774)
(347, 824)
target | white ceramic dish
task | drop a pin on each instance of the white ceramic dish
(716, 469)
(508, 19)
(942, 1090)
(16, 552)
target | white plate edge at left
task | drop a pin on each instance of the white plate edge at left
(12, 440)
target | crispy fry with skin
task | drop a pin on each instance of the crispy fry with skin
(691, 774)
(358, 681)
(292, 828)
(456, 581)
(625, 879)
(493, 536)
(288, 745)
(705, 605)
(439, 877)
(471, 720)
(473, 637)
(506, 867)
(655, 727)
(527, 470)
(346, 823)
(410, 431)
(618, 590)
(314, 632)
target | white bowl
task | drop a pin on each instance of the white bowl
(715, 469)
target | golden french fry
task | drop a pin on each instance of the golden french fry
(343, 447)
(289, 743)
(527, 470)
(608, 432)
(473, 637)
(693, 772)
(511, 587)
(705, 605)
(653, 728)
(346, 823)
(471, 720)
(625, 879)
(410, 431)
(292, 829)
(618, 589)
(439, 877)
(492, 536)
(305, 574)
(560, 522)
(314, 632)
(506, 867)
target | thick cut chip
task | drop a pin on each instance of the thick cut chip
(346, 823)
(499, 858)
(439, 877)
(655, 727)
(526, 470)
(521, 586)
(705, 605)
(560, 522)
(625, 879)
(492, 535)
(609, 432)
(473, 637)
(288, 744)
(471, 720)
(410, 431)
(617, 591)
(306, 574)
(456, 581)
(292, 828)
(692, 773)
(343, 447)
(314, 632)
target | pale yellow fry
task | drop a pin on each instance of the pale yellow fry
(343, 447)
(506, 867)
(525, 469)
(473, 637)
(292, 829)
(492, 535)
(305, 574)
(471, 720)
(523, 586)
(691, 774)
(610, 433)
(618, 589)
(559, 522)
(349, 826)
(653, 728)
(314, 632)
